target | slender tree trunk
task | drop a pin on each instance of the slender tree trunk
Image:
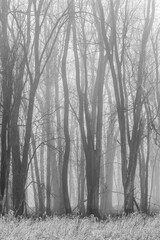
(144, 167)
(143, 182)
(55, 185)
(49, 144)
(81, 179)
(66, 122)
(42, 167)
(60, 208)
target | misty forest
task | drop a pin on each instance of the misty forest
(79, 107)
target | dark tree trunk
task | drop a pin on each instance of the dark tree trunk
(7, 60)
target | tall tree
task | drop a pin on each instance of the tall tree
(130, 139)
(90, 120)
(8, 58)
(35, 63)
(66, 118)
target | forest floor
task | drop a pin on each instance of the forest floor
(133, 227)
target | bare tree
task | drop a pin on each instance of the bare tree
(35, 63)
(90, 120)
(7, 64)
(130, 139)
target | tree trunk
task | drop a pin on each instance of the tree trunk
(128, 196)
(66, 122)
(60, 208)
(55, 185)
(15, 142)
(34, 191)
(42, 167)
(7, 61)
(92, 136)
(142, 168)
(144, 165)
(81, 180)
(41, 207)
(107, 185)
(49, 134)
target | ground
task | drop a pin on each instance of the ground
(135, 227)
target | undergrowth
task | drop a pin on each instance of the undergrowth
(135, 227)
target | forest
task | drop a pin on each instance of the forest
(79, 107)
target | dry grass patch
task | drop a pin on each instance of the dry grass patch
(135, 227)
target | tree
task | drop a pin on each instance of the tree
(91, 120)
(130, 139)
(41, 207)
(108, 163)
(35, 63)
(7, 63)
(80, 100)
(66, 119)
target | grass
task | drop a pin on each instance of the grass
(135, 227)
